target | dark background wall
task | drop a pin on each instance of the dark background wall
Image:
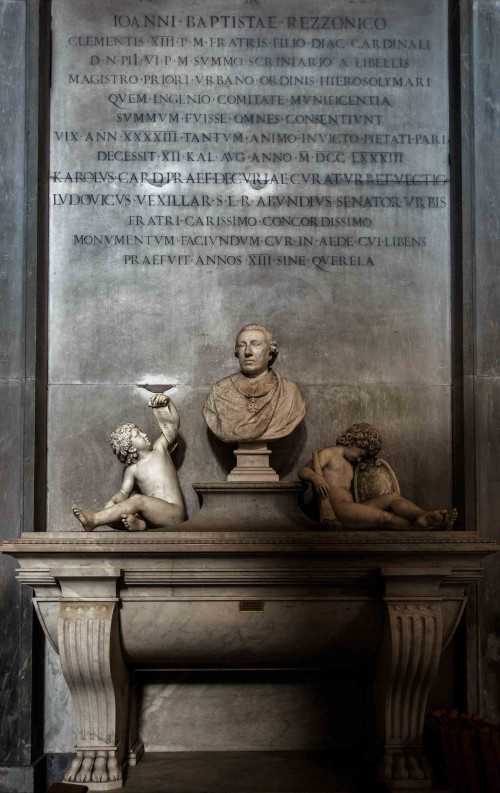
(22, 390)
(479, 384)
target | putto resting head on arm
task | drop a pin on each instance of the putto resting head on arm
(332, 478)
(255, 403)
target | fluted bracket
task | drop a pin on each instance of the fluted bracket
(93, 667)
(411, 649)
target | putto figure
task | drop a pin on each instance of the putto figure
(255, 403)
(333, 480)
(149, 468)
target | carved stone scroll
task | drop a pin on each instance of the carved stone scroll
(92, 664)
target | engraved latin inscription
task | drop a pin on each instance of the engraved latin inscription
(208, 137)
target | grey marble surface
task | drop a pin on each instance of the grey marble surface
(12, 204)
(390, 325)
(59, 720)
(116, 323)
(11, 451)
(247, 772)
(488, 511)
(13, 667)
(20, 720)
(214, 715)
(481, 138)
(365, 343)
(486, 114)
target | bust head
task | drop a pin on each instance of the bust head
(255, 350)
(254, 403)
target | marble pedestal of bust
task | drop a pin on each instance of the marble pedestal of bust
(252, 463)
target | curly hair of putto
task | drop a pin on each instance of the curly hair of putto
(121, 443)
(366, 436)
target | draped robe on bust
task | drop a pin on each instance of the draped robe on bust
(241, 409)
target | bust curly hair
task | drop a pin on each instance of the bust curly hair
(366, 436)
(273, 345)
(121, 443)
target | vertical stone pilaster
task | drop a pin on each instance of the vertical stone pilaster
(477, 378)
(22, 391)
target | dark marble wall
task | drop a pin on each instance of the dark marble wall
(475, 36)
(481, 376)
(21, 657)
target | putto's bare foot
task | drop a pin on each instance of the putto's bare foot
(85, 518)
(437, 519)
(133, 523)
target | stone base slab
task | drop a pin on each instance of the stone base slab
(249, 506)
(116, 785)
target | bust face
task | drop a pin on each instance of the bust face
(253, 352)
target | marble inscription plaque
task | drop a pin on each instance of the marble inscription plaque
(198, 148)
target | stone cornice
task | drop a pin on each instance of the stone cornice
(359, 543)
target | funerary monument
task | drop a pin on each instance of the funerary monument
(187, 182)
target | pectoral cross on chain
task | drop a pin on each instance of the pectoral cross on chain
(253, 406)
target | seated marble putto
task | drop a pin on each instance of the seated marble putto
(255, 403)
(149, 469)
